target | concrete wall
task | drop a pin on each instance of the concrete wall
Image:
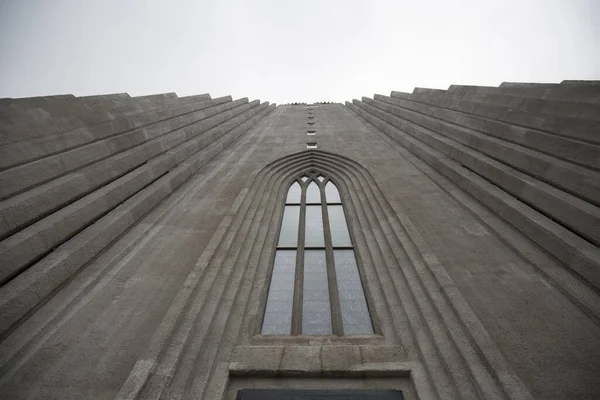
(138, 268)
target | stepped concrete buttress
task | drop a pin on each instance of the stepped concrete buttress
(137, 236)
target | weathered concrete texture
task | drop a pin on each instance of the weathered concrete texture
(138, 236)
(433, 126)
(60, 211)
(513, 159)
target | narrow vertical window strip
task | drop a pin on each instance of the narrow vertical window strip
(278, 311)
(288, 235)
(313, 193)
(316, 306)
(294, 193)
(353, 304)
(331, 193)
(333, 290)
(314, 235)
(339, 228)
(299, 285)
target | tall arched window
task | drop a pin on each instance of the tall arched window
(315, 288)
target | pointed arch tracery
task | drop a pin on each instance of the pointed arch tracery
(316, 287)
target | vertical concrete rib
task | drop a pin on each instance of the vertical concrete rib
(79, 230)
(564, 207)
(554, 238)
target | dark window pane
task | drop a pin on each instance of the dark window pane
(278, 312)
(331, 193)
(288, 237)
(313, 193)
(293, 195)
(316, 311)
(314, 227)
(353, 305)
(339, 228)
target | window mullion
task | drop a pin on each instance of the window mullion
(334, 298)
(299, 280)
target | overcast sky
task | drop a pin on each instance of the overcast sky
(285, 51)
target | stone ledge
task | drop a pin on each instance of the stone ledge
(320, 361)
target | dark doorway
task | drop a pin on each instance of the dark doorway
(292, 394)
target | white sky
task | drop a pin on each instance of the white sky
(284, 51)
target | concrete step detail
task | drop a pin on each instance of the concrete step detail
(577, 180)
(555, 92)
(579, 255)
(565, 208)
(24, 292)
(33, 102)
(23, 208)
(24, 151)
(580, 82)
(570, 150)
(584, 111)
(61, 118)
(56, 117)
(584, 129)
(44, 169)
(26, 246)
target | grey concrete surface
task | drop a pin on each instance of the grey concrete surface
(22, 248)
(570, 177)
(570, 210)
(575, 252)
(575, 120)
(25, 151)
(149, 281)
(493, 123)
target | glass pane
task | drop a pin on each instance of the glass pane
(331, 193)
(304, 178)
(314, 227)
(320, 178)
(339, 227)
(316, 311)
(313, 193)
(288, 237)
(280, 301)
(353, 305)
(293, 195)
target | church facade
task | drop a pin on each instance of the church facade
(440, 244)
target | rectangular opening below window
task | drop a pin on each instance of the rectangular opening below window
(322, 388)
(311, 394)
(311, 145)
(311, 132)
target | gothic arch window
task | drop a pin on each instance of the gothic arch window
(316, 287)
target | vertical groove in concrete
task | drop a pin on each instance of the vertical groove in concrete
(491, 123)
(78, 174)
(28, 150)
(498, 166)
(580, 256)
(425, 318)
(513, 158)
(53, 228)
